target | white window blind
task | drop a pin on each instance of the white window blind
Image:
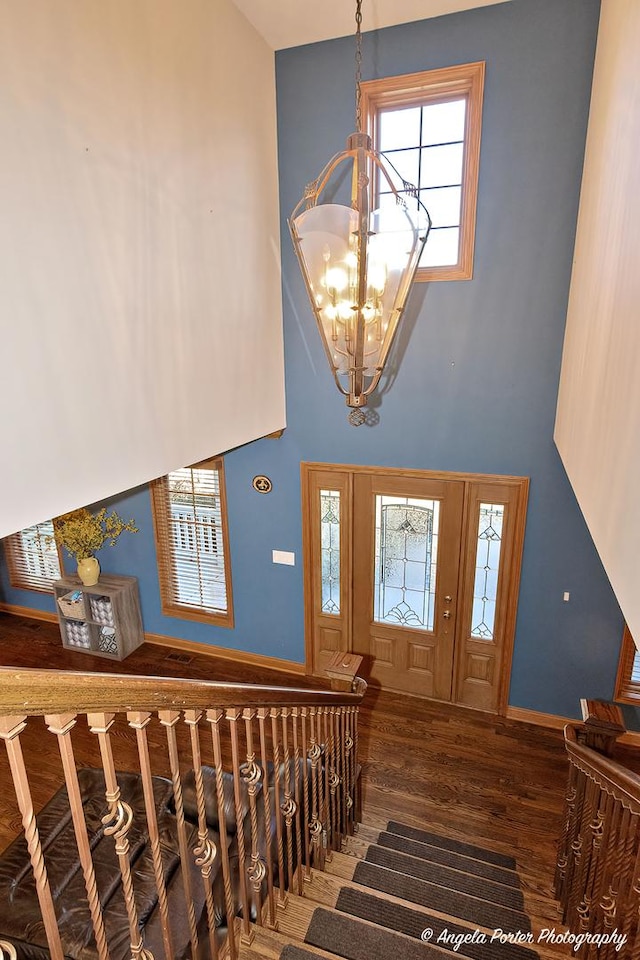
(32, 558)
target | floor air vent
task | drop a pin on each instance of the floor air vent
(182, 658)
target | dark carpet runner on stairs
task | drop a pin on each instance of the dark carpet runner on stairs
(395, 916)
(296, 953)
(353, 940)
(447, 858)
(456, 846)
(446, 877)
(438, 898)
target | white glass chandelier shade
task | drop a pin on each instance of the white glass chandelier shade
(358, 264)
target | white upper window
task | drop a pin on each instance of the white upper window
(428, 126)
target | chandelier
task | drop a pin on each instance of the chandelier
(358, 264)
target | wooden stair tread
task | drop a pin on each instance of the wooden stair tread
(367, 833)
(295, 918)
(323, 891)
(543, 911)
(269, 944)
(357, 846)
(455, 871)
(325, 887)
(536, 883)
(344, 866)
(538, 896)
(537, 900)
(379, 822)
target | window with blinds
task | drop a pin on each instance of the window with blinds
(32, 556)
(627, 687)
(192, 543)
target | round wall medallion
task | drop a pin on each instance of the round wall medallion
(262, 484)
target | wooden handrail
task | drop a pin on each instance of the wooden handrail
(612, 777)
(288, 756)
(598, 869)
(31, 692)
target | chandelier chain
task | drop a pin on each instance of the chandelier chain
(358, 65)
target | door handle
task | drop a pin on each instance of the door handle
(447, 615)
(448, 599)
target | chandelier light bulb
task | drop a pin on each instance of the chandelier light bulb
(336, 280)
(345, 310)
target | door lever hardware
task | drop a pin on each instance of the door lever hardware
(448, 599)
(447, 615)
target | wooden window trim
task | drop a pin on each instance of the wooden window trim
(434, 86)
(626, 689)
(159, 501)
(14, 554)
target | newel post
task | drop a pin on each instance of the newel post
(603, 725)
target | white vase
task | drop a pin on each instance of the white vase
(89, 571)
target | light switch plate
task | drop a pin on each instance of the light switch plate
(283, 556)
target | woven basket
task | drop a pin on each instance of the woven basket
(72, 608)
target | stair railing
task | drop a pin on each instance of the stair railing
(597, 877)
(282, 760)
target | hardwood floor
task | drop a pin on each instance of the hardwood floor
(495, 782)
(465, 773)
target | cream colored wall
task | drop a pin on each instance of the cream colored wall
(140, 306)
(598, 417)
(286, 23)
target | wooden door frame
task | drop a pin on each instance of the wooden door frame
(513, 575)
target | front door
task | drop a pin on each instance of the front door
(406, 535)
(417, 572)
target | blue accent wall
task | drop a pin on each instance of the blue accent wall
(476, 367)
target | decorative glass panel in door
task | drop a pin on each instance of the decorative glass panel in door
(406, 550)
(488, 592)
(491, 516)
(406, 558)
(327, 538)
(330, 550)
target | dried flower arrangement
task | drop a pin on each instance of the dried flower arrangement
(82, 532)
